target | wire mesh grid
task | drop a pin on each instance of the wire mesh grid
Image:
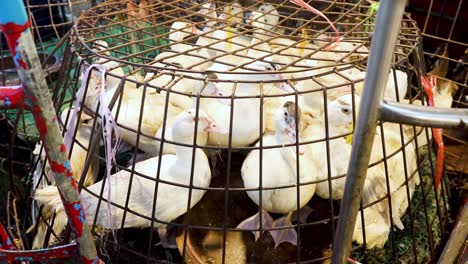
(127, 39)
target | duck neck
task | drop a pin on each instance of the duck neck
(183, 153)
(288, 153)
(210, 24)
(335, 131)
(246, 89)
(247, 106)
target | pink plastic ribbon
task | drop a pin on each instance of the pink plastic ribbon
(108, 125)
(335, 40)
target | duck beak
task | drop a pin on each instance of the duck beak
(291, 132)
(253, 17)
(285, 86)
(196, 31)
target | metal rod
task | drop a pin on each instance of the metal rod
(383, 44)
(424, 116)
(15, 25)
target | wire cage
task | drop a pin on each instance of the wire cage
(273, 102)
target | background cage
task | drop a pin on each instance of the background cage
(436, 223)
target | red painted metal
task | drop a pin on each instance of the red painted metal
(7, 243)
(13, 97)
(14, 31)
(59, 252)
(429, 82)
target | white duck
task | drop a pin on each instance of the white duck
(188, 55)
(246, 112)
(180, 84)
(279, 169)
(178, 32)
(312, 88)
(313, 96)
(126, 110)
(396, 87)
(171, 200)
(346, 50)
(208, 12)
(265, 17)
(201, 90)
(340, 120)
(169, 79)
(227, 39)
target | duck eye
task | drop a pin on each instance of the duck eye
(345, 110)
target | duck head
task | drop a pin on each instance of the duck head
(340, 114)
(287, 117)
(180, 30)
(184, 125)
(270, 75)
(208, 10)
(265, 17)
(210, 88)
(232, 13)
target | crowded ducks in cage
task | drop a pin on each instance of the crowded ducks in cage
(238, 118)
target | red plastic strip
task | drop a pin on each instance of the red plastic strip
(429, 82)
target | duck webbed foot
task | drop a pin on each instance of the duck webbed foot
(286, 234)
(253, 223)
(268, 224)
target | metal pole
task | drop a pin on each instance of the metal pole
(15, 25)
(424, 116)
(383, 44)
